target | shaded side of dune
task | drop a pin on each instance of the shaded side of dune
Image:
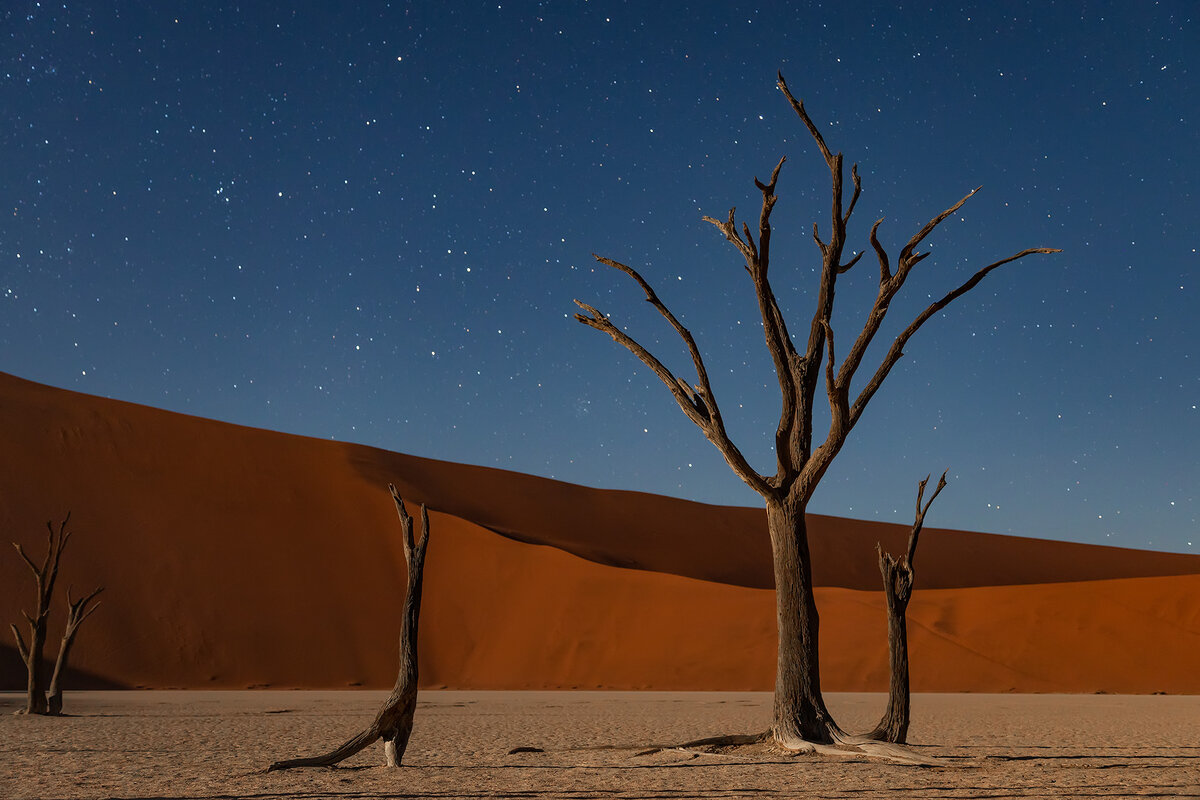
(729, 544)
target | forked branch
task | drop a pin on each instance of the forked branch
(908, 254)
(778, 340)
(22, 648)
(704, 389)
(919, 518)
(698, 402)
(896, 351)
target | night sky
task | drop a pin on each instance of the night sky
(368, 222)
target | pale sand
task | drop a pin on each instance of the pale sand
(216, 745)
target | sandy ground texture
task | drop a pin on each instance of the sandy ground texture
(216, 744)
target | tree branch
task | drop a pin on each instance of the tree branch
(919, 519)
(897, 349)
(764, 215)
(846, 267)
(907, 258)
(798, 107)
(778, 339)
(406, 523)
(27, 559)
(22, 648)
(694, 351)
(889, 286)
(857, 191)
(885, 270)
(729, 228)
(837, 407)
(700, 406)
(79, 610)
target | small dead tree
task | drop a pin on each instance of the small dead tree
(800, 716)
(32, 652)
(394, 720)
(898, 576)
(77, 612)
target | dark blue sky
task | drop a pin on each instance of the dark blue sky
(368, 222)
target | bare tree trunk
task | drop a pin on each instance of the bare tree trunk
(800, 714)
(32, 653)
(897, 585)
(77, 612)
(394, 720)
(898, 577)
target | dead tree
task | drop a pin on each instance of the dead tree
(77, 612)
(32, 652)
(394, 720)
(898, 576)
(800, 717)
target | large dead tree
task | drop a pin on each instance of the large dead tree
(394, 720)
(800, 717)
(32, 652)
(898, 577)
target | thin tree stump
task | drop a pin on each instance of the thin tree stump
(898, 576)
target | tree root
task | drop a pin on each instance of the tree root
(732, 740)
(334, 757)
(843, 745)
(846, 745)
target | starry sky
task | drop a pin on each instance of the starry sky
(368, 221)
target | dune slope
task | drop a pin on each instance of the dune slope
(238, 557)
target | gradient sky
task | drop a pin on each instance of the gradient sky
(368, 222)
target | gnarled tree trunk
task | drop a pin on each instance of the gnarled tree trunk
(394, 720)
(31, 655)
(799, 709)
(898, 577)
(897, 582)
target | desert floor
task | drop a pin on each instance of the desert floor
(198, 744)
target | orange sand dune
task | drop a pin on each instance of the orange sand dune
(238, 557)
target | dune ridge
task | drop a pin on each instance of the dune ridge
(237, 557)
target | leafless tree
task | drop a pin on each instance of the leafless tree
(32, 652)
(77, 612)
(394, 720)
(800, 717)
(898, 576)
